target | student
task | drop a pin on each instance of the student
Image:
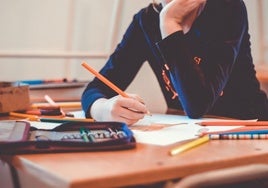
(200, 54)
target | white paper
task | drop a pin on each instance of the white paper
(164, 129)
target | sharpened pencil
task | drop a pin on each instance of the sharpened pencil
(189, 145)
(106, 81)
(233, 123)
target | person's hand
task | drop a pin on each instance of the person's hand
(123, 109)
(179, 15)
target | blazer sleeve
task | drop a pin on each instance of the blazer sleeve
(200, 64)
(121, 67)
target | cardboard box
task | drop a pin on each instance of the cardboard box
(13, 97)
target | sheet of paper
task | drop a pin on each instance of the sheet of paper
(163, 129)
(159, 129)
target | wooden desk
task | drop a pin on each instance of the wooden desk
(142, 165)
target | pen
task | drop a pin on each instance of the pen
(189, 145)
(106, 81)
(233, 123)
(84, 134)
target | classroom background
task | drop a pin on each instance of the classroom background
(49, 40)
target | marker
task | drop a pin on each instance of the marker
(189, 145)
(84, 134)
(90, 135)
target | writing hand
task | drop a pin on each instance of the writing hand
(123, 109)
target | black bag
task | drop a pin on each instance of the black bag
(18, 137)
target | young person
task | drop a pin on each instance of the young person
(200, 53)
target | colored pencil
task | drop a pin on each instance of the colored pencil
(59, 104)
(24, 116)
(189, 145)
(50, 100)
(238, 136)
(233, 123)
(49, 119)
(106, 81)
(64, 120)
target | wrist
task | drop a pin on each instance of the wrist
(167, 27)
(96, 109)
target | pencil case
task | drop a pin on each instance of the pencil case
(18, 137)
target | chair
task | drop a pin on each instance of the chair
(248, 176)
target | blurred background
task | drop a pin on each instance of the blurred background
(49, 39)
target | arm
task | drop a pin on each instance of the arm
(200, 83)
(102, 103)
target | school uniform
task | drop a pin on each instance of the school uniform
(208, 70)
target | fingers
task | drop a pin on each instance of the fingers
(128, 110)
(123, 109)
(136, 97)
(179, 15)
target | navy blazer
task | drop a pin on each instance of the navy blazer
(210, 67)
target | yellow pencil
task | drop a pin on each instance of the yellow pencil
(189, 145)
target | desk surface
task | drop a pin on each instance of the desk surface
(144, 164)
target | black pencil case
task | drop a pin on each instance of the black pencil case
(18, 137)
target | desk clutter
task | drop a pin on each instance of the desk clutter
(13, 96)
(19, 137)
(54, 88)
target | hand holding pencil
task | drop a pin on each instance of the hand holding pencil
(128, 108)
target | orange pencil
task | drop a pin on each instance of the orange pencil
(233, 123)
(104, 80)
